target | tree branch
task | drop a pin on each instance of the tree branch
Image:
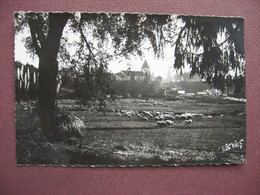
(88, 46)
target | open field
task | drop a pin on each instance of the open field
(205, 130)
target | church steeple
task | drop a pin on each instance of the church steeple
(146, 68)
(145, 65)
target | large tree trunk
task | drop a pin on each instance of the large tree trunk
(48, 66)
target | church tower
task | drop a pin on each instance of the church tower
(146, 68)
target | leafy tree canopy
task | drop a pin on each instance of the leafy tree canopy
(213, 47)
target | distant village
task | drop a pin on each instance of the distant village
(143, 75)
(127, 83)
(176, 84)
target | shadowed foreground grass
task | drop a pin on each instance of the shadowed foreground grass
(122, 140)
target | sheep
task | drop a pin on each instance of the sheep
(199, 115)
(170, 113)
(169, 122)
(188, 121)
(148, 113)
(145, 118)
(183, 116)
(168, 117)
(129, 115)
(139, 115)
(189, 115)
(161, 124)
(157, 118)
(157, 113)
(177, 116)
(162, 117)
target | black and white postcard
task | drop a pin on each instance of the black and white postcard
(121, 89)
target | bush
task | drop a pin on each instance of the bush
(93, 88)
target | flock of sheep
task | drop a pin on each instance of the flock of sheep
(163, 118)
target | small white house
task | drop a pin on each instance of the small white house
(202, 93)
(182, 92)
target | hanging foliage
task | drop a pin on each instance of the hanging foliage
(213, 47)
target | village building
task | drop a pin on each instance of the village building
(138, 76)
